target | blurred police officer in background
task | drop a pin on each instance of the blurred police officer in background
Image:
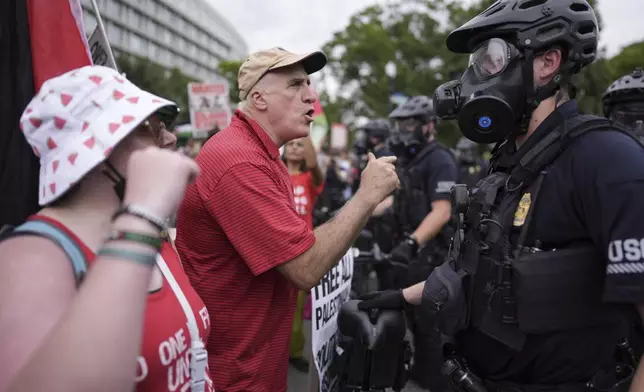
(470, 166)
(536, 290)
(624, 102)
(421, 209)
(371, 138)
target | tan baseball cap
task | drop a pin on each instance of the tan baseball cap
(259, 63)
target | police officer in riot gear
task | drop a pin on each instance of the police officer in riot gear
(376, 133)
(422, 210)
(624, 102)
(548, 252)
(471, 168)
(372, 138)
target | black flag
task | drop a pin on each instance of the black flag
(18, 165)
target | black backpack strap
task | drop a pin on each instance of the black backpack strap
(43, 229)
(552, 145)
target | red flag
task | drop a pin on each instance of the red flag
(58, 42)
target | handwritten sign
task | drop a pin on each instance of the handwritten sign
(333, 290)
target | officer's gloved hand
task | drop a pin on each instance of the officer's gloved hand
(406, 251)
(388, 299)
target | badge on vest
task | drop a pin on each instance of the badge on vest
(522, 210)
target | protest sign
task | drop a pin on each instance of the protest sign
(339, 136)
(100, 49)
(209, 105)
(333, 290)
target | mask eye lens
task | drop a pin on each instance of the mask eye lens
(490, 58)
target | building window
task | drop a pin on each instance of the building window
(167, 36)
(90, 23)
(153, 50)
(133, 18)
(114, 34)
(135, 43)
(113, 8)
(152, 28)
(193, 50)
(164, 15)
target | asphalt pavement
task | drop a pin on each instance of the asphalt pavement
(298, 382)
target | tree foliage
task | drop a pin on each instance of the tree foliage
(229, 70)
(407, 33)
(412, 34)
(170, 84)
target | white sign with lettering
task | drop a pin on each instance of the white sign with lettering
(333, 290)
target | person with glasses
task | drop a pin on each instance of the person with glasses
(93, 296)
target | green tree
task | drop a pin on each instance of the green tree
(406, 33)
(170, 84)
(229, 70)
(627, 60)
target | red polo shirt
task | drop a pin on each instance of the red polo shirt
(237, 223)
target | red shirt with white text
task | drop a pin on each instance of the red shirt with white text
(164, 360)
(305, 194)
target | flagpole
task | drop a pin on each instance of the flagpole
(101, 29)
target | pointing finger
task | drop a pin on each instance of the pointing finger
(390, 159)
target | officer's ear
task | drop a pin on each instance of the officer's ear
(546, 66)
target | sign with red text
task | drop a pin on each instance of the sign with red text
(209, 106)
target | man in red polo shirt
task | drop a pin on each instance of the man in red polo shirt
(241, 241)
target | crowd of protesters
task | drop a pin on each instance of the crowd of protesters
(94, 295)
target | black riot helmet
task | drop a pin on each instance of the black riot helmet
(624, 101)
(419, 107)
(408, 138)
(378, 129)
(466, 150)
(496, 95)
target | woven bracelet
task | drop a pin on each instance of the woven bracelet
(144, 239)
(138, 257)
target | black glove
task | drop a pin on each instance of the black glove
(406, 251)
(388, 299)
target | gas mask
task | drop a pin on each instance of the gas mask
(361, 142)
(631, 116)
(407, 139)
(490, 99)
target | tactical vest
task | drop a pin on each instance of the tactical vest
(511, 289)
(410, 200)
(470, 174)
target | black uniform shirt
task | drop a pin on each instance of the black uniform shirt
(439, 171)
(594, 193)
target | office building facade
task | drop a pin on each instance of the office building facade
(186, 34)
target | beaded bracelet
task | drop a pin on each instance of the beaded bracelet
(144, 239)
(142, 213)
(147, 259)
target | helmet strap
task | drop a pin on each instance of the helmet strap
(536, 95)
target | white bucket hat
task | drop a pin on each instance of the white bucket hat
(76, 119)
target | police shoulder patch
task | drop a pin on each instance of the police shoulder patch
(522, 210)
